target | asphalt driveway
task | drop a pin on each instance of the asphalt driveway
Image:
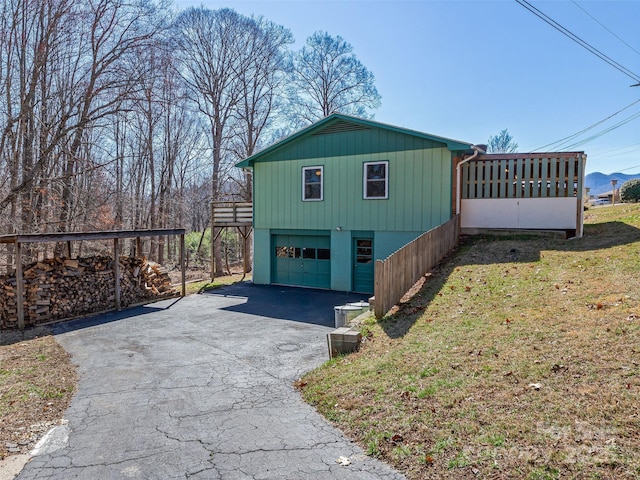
(201, 388)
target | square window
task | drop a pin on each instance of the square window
(312, 183)
(324, 254)
(376, 180)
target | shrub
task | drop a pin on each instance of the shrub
(630, 191)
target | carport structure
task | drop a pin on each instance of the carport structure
(67, 239)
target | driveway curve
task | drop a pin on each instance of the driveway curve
(201, 388)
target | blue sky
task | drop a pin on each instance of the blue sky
(468, 69)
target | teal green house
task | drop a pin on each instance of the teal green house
(334, 197)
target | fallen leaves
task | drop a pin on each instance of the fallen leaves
(557, 368)
(299, 384)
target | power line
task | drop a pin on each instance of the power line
(577, 134)
(578, 40)
(591, 156)
(630, 168)
(607, 151)
(603, 132)
(604, 26)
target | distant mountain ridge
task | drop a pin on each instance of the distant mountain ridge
(598, 183)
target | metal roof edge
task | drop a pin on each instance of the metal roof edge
(452, 145)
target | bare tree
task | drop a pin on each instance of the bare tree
(33, 122)
(262, 82)
(233, 66)
(66, 71)
(501, 143)
(116, 30)
(329, 78)
(110, 120)
(210, 47)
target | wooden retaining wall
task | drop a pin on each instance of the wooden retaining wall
(396, 274)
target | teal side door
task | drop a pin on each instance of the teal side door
(302, 260)
(363, 265)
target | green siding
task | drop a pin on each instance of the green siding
(367, 141)
(419, 193)
(386, 243)
(341, 244)
(261, 256)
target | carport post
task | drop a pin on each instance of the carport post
(213, 250)
(182, 265)
(116, 271)
(19, 286)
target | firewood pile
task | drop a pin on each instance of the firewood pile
(59, 288)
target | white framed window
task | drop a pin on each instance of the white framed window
(312, 184)
(376, 180)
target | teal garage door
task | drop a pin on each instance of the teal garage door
(302, 260)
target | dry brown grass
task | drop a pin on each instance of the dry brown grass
(37, 381)
(518, 358)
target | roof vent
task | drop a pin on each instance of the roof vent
(341, 126)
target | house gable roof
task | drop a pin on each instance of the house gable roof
(339, 123)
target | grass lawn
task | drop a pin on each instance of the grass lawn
(518, 358)
(205, 285)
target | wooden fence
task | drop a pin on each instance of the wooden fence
(396, 274)
(533, 175)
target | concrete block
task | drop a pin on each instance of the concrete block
(343, 340)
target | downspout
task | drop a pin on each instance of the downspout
(476, 151)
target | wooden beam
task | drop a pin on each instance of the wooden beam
(116, 272)
(213, 241)
(182, 265)
(244, 233)
(233, 224)
(19, 286)
(64, 237)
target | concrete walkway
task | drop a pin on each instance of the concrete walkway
(201, 388)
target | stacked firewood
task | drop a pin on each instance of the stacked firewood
(58, 288)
